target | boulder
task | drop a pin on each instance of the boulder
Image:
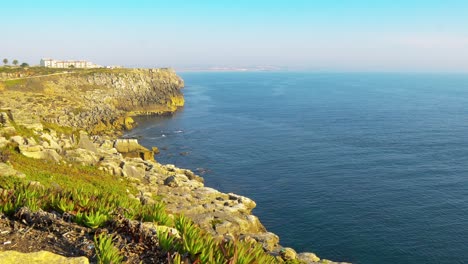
(308, 257)
(82, 156)
(65, 143)
(3, 142)
(38, 152)
(112, 167)
(50, 142)
(30, 141)
(107, 144)
(131, 149)
(7, 170)
(155, 228)
(249, 203)
(41, 257)
(251, 224)
(133, 171)
(177, 180)
(192, 176)
(25, 149)
(50, 154)
(169, 167)
(18, 140)
(269, 240)
(288, 254)
(155, 150)
(85, 142)
(129, 123)
(172, 181)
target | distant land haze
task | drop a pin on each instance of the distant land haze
(359, 35)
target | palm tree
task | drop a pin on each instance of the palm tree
(5, 61)
(15, 62)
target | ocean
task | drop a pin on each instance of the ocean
(361, 167)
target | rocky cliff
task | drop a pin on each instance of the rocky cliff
(99, 100)
(63, 119)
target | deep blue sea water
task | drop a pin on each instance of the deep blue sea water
(366, 168)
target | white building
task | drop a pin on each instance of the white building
(51, 63)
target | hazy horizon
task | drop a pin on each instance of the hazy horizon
(330, 36)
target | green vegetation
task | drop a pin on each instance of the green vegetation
(24, 64)
(59, 129)
(107, 253)
(94, 198)
(35, 70)
(15, 62)
(200, 246)
(24, 84)
(16, 82)
(87, 180)
(24, 131)
(5, 61)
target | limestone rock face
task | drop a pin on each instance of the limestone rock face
(100, 101)
(131, 149)
(41, 257)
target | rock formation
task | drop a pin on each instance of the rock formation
(98, 101)
(41, 257)
(93, 104)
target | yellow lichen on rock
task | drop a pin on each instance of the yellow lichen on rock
(177, 101)
(41, 257)
(129, 122)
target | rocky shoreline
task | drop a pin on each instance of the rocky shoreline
(95, 108)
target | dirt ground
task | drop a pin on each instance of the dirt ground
(31, 232)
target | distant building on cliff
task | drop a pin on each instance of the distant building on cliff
(51, 63)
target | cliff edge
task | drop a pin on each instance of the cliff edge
(57, 138)
(98, 100)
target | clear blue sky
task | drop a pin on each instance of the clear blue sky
(325, 35)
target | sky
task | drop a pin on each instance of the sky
(315, 35)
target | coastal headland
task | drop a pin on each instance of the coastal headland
(68, 182)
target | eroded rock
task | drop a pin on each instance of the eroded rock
(41, 257)
(308, 257)
(288, 254)
(131, 149)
